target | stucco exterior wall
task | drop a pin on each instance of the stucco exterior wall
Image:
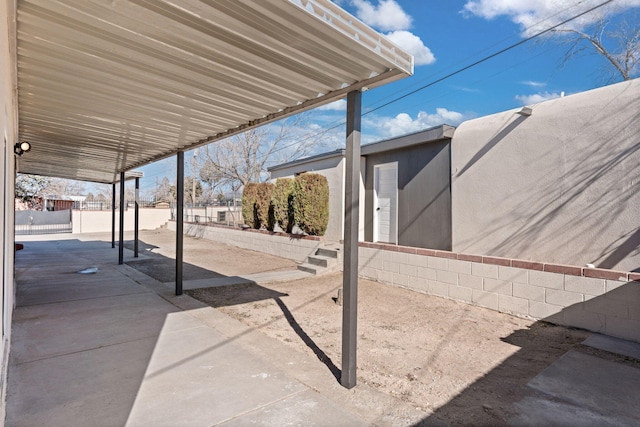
(8, 137)
(561, 185)
(333, 169)
(424, 194)
(100, 221)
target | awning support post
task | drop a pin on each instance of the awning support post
(121, 231)
(136, 219)
(113, 215)
(350, 261)
(179, 221)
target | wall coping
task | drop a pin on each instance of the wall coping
(598, 273)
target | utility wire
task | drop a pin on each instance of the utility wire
(537, 24)
(486, 58)
(458, 71)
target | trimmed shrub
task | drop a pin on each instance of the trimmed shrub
(282, 202)
(264, 209)
(311, 203)
(249, 205)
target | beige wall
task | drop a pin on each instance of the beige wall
(561, 185)
(100, 221)
(8, 136)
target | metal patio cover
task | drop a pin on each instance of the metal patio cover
(105, 86)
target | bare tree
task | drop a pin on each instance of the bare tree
(162, 191)
(65, 187)
(244, 158)
(30, 185)
(619, 44)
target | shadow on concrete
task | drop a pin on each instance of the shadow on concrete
(127, 351)
(163, 268)
(78, 340)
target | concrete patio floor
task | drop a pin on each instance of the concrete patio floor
(119, 348)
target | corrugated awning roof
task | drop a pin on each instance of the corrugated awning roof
(108, 85)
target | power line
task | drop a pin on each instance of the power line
(537, 24)
(456, 72)
(465, 68)
(486, 58)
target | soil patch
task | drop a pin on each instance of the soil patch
(203, 259)
(465, 364)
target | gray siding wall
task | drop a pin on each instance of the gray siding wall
(424, 194)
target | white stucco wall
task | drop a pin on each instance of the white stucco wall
(561, 185)
(100, 221)
(8, 137)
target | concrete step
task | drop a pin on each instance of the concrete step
(321, 261)
(327, 252)
(309, 268)
(325, 260)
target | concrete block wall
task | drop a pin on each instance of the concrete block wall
(296, 248)
(598, 300)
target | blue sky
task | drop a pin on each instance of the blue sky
(456, 33)
(446, 35)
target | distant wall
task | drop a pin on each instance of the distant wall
(100, 221)
(561, 185)
(284, 246)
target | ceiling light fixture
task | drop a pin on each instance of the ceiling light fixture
(21, 147)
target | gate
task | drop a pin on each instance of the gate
(43, 222)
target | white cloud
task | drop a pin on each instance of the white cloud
(533, 83)
(412, 44)
(403, 123)
(537, 97)
(387, 15)
(339, 105)
(536, 15)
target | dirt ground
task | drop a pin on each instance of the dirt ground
(203, 259)
(464, 365)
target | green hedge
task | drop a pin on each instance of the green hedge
(249, 206)
(311, 203)
(256, 205)
(303, 201)
(282, 202)
(263, 205)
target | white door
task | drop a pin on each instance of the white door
(385, 203)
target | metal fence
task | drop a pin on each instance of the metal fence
(105, 205)
(42, 222)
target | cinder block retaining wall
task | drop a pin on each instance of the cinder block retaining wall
(595, 299)
(296, 248)
(599, 300)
